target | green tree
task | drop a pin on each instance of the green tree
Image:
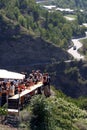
(16, 12)
(41, 114)
(67, 31)
(22, 20)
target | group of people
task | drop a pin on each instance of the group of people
(35, 77)
(12, 87)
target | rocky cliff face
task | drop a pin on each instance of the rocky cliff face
(27, 51)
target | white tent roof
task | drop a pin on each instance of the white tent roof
(10, 75)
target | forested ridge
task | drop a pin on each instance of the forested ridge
(20, 17)
(81, 4)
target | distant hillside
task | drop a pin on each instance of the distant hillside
(81, 4)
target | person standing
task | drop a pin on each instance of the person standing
(39, 79)
(0, 94)
(46, 84)
(12, 89)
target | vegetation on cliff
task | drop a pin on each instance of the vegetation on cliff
(57, 112)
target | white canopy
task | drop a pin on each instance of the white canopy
(10, 75)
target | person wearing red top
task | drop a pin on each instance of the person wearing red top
(21, 87)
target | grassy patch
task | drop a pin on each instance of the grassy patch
(71, 16)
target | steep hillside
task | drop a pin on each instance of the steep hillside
(27, 51)
(24, 33)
